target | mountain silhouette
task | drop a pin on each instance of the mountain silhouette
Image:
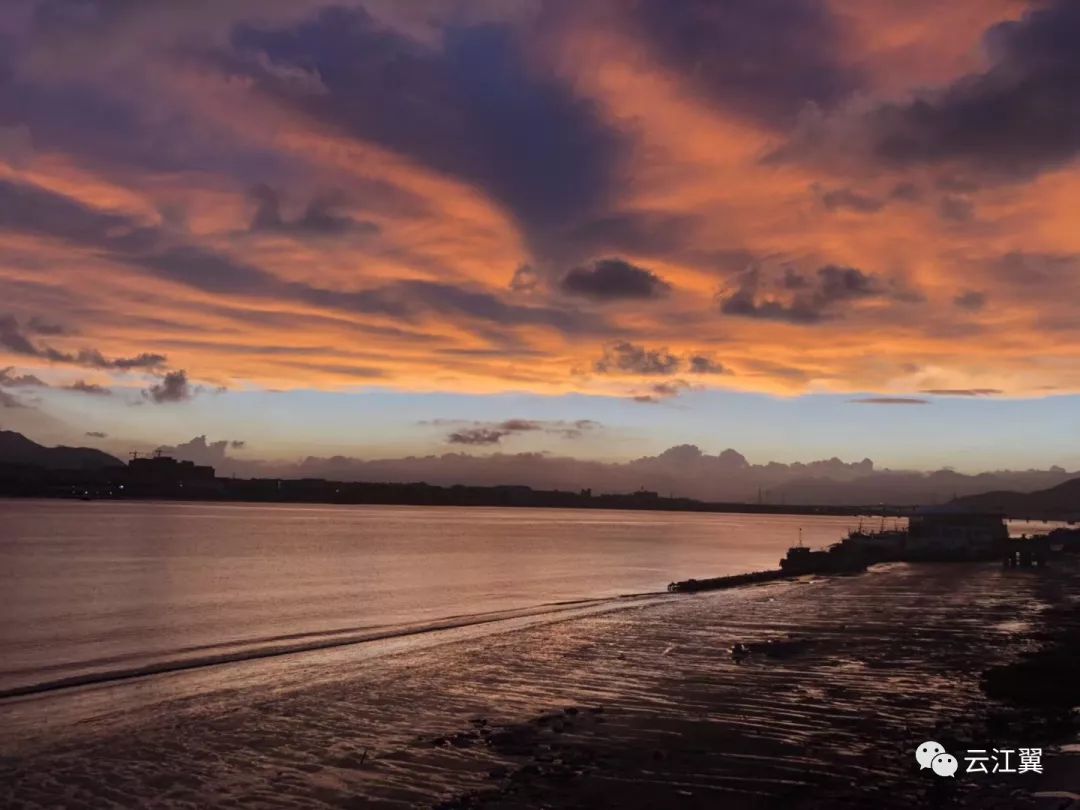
(1063, 498)
(17, 449)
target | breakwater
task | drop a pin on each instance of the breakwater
(733, 581)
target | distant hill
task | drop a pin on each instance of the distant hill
(1062, 500)
(17, 449)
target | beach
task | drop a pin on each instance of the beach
(630, 704)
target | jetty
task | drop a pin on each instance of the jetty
(733, 581)
(800, 560)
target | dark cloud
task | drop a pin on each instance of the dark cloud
(146, 360)
(971, 300)
(962, 392)
(800, 299)
(40, 326)
(1032, 270)
(702, 364)
(1016, 119)
(612, 280)
(208, 271)
(13, 338)
(9, 379)
(629, 358)
(670, 389)
(747, 301)
(470, 106)
(30, 209)
(575, 429)
(84, 387)
(237, 444)
(846, 198)
(97, 434)
(524, 279)
(906, 192)
(889, 401)
(10, 400)
(93, 358)
(956, 209)
(35, 210)
(174, 387)
(322, 216)
(481, 433)
(842, 283)
(763, 58)
(267, 214)
(661, 391)
(476, 436)
(96, 98)
(516, 425)
(483, 305)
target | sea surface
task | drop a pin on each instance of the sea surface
(106, 589)
(103, 591)
(201, 655)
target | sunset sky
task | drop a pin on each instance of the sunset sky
(798, 228)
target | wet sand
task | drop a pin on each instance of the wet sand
(640, 706)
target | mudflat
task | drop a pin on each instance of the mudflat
(838, 681)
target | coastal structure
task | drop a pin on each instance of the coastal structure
(932, 535)
(948, 534)
(159, 469)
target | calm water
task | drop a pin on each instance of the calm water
(93, 591)
(99, 589)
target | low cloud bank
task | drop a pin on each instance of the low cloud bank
(684, 470)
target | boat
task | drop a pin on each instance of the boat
(836, 559)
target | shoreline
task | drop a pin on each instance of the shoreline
(628, 708)
(615, 502)
(327, 640)
(1013, 702)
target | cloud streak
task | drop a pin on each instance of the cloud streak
(491, 433)
(889, 401)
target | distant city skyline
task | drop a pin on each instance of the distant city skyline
(383, 230)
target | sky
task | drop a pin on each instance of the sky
(802, 229)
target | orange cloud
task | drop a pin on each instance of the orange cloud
(407, 284)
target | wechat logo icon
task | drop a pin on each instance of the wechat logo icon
(933, 755)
